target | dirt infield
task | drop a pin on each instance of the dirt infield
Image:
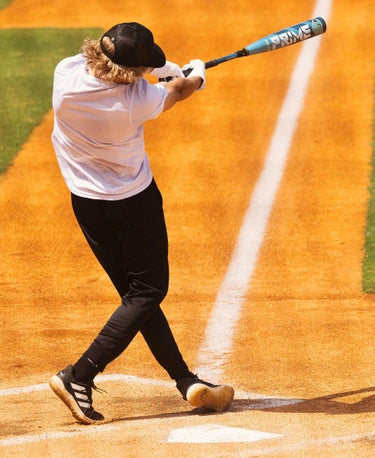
(301, 359)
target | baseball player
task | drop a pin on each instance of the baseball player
(101, 100)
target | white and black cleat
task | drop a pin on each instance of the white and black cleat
(77, 396)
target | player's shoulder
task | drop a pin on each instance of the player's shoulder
(70, 63)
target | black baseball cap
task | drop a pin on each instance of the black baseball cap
(134, 46)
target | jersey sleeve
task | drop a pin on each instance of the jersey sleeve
(146, 101)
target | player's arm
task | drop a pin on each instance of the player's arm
(182, 88)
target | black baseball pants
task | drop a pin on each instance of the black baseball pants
(129, 239)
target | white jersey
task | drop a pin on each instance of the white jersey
(98, 132)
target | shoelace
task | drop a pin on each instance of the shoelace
(99, 390)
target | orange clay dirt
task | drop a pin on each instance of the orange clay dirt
(306, 330)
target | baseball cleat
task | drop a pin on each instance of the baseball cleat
(77, 396)
(203, 394)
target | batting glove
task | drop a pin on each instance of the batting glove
(169, 70)
(196, 67)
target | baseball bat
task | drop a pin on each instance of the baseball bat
(285, 37)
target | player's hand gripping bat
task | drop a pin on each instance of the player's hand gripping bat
(281, 39)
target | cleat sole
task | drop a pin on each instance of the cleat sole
(216, 399)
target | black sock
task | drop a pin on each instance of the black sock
(85, 370)
(185, 374)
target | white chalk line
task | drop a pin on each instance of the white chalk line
(275, 401)
(217, 342)
(100, 378)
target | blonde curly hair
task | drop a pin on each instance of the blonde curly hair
(104, 68)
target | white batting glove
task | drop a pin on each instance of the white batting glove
(168, 70)
(197, 68)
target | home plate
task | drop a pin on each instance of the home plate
(217, 433)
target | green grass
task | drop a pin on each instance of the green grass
(368, 268)
(4, 3)
(28, 59)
